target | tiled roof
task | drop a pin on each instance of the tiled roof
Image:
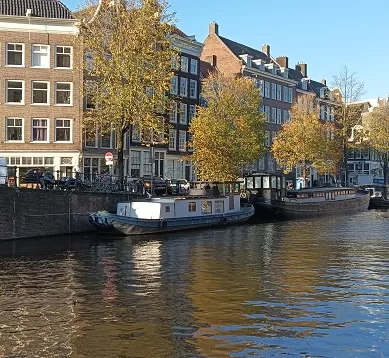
(239, 49)
(39, 8)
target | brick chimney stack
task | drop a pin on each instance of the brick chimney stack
(324, 82)
(214, 28)
(266, 49)
(283, 61)
(302, 67)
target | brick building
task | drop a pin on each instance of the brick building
(40, 86)
(279, 84)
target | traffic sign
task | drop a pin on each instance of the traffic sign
(108, 158)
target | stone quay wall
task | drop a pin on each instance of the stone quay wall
(32, 213)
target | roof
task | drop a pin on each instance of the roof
(240, 49)
(52, 9)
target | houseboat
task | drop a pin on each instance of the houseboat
(206, 205)
(273, 200)
(378, 195)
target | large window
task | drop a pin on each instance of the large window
(136, 133)
(174, 85)
(193, 66)
(40, 56)
(273, 91)
(15, 91)
(193, 89)
(15, 54)
(63, 93)
(183, 87)
(192, 112)
(267, 89)
(63, 57)
(106, 140)
(90, 136)
(183, 113)
(40, 130)
(40, 92)
(63, 130)
(135, 163)
(279, 89)
(14, 129)
(172, 139)
(182, 141)
(184, 63)
(173, 113)
(206, 207)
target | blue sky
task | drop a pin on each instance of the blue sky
(324, 34)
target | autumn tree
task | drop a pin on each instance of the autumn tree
(306, 141)
(347, 114)
(376, 128)
(228, 132)
(128, 68)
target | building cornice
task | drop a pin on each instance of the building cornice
(257, 72)
(186, 45)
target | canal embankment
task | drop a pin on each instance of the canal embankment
(32, 213)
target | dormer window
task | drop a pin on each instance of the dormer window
(272, 68)
(285, 72)
(260, 64)
(247, 59)
(304, 84)
(322, 92)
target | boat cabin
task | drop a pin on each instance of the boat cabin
(319, 194)
(376, 190)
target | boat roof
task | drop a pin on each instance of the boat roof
(323, 189)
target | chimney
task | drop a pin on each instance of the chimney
(266, 49)
(302, 67)
(324, 82)
(214, 28)
(283, 61)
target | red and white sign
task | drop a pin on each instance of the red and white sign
(108, 158)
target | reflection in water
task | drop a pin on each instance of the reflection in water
(301, 288)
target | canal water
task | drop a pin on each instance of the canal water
(314, 288)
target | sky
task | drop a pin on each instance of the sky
(327, 35)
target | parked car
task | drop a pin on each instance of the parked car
(177, 186)
(36, 178)
(159, 185)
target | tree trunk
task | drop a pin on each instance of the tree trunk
(120, 149)
(304, 167)
(346, 184)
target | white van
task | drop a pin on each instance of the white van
(3, 171)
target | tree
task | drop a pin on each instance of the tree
(306, 141)
(129, 69)
(376, 131)
(347, 115)
(229, 131)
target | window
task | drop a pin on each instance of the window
(106, 140)
(192, 206)
(40, 130)
(63, 130)
(182, 141)
(219, 206)
(15, 55)
(267, 89)
(40, 92)
(15, 91)
(63, 57)
(273, 135)
(135, 135)
(183, 113)
(173, 113)
(63, 93)
(267, 138)
(267, 113)
(322, 112)
(175, 63)
(184, 63)
(135, 163)
(90, 136)
(193, 89)
(286, 115)
(192, 112)
(206, 207)
(40, 56)
(279, 114)
(174, 85)
(193, 66)
(273, 91)
(190, 142)
(286, 94)
(274, 115)
(290, 94)
(183, 87)
(14, 129)
(172, 139)
(279, 89)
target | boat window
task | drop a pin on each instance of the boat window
(273, 182)
(258, 183)
(266, 182)
(278, 182)
(219, 206)
(167, 209)
(191, 206)
(206, 207)
(249, 183)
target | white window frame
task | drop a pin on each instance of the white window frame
(47, 130)
(6, 130)
(136, 129)
(274, 115)
(174, 85)
(173, 113)
(267, 113)
(267, 89)
(41, 53)
(193, 90)
(273, 135)
(194, 64)
(71, 94)
(47, 93)
(273, 91)
(279, 116)
(70, 55)
(285, 90)
(172, 139)
(183, 113)
(279, 93)
(290, 94)
(267, 139)
(286, 115)
(184, 64)
(111, 139)
(192, 112)
(183, 88)
(6, 53)
(7, 88)
(71, 130)
(182, 141)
